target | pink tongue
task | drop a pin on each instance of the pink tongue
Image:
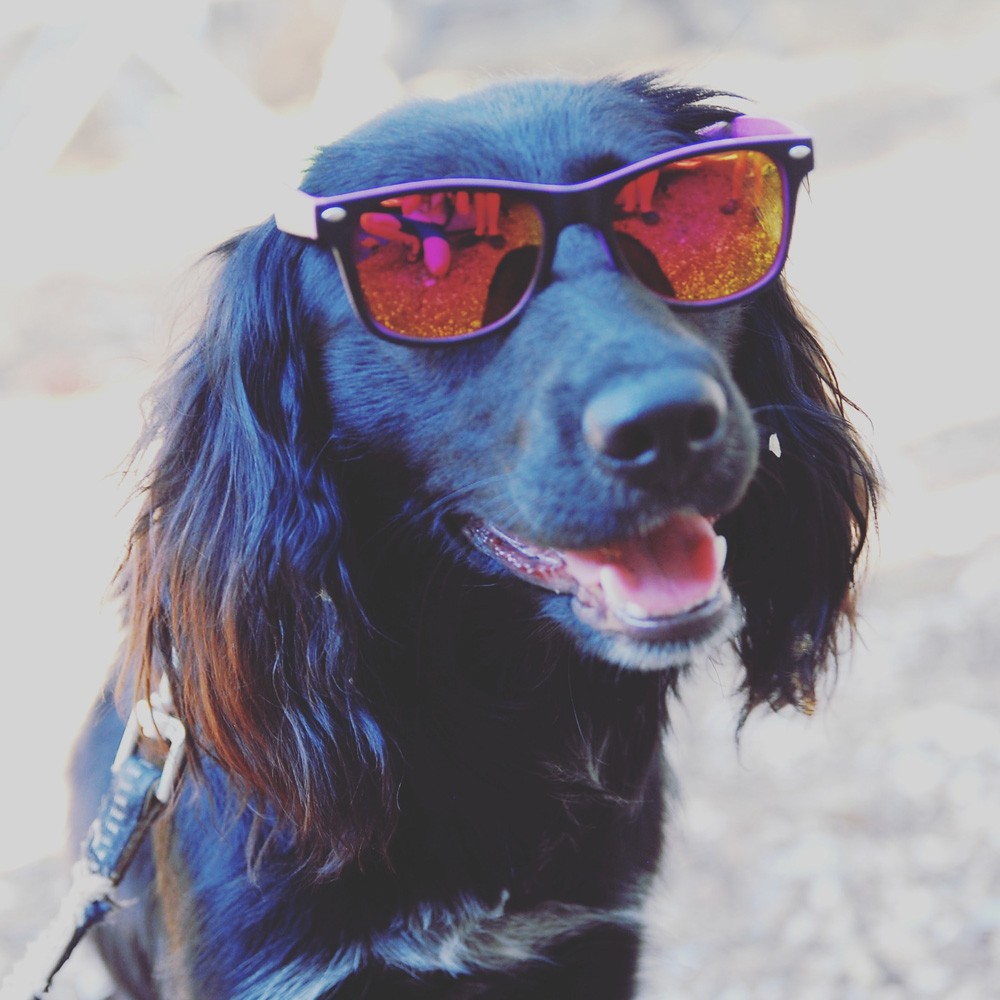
(666, 572)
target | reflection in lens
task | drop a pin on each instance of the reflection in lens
(446, 263)
(703, 228)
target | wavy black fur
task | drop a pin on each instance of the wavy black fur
(414, 774)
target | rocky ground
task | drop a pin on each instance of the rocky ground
(848, 856)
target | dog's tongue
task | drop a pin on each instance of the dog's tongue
(667, 572)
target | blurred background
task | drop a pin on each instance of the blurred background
(850, 855)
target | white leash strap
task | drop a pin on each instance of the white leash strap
(138, 794)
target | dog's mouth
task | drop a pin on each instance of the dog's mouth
(663, 586)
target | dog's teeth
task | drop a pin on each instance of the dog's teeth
(616, 600)
(609, 585)
(721, 548)
(634, 610)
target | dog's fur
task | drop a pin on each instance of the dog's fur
(415, 774)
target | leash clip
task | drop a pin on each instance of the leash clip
(153, 719)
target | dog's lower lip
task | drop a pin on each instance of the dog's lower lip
(689, 626)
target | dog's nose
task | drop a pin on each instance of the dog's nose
(651, 425)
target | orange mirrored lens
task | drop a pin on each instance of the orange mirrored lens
(446, 263)
(703, 228)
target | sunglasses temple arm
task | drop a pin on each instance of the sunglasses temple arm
(749, 127)
(296, 213)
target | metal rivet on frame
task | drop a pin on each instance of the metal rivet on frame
(799, 152)
(333, 214)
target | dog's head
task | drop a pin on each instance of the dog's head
(593, 457)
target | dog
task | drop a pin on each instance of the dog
(424, 581)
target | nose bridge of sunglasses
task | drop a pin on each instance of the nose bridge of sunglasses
(575, 213)
(573, 207)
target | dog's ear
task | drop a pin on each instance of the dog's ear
(237, 579)
(796, 539)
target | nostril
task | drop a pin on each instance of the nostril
(633, 442)
(704, 424)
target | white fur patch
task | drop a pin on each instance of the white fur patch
(635, 655)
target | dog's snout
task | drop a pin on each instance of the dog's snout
(654, 424)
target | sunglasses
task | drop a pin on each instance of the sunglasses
(436, 260)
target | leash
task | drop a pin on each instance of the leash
(138, 794)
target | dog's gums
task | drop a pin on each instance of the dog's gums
(663, 586)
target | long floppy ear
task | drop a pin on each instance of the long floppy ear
(796, 538)
(237, 569)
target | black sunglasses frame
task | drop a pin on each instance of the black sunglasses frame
(331, 220)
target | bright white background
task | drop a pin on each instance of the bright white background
(851, 855)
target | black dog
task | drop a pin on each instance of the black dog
(422, 605)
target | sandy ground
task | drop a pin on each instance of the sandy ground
(851, 855)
